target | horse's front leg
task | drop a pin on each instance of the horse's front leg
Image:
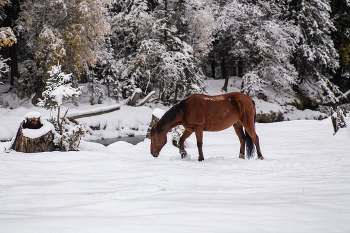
(199, 136)
(183, 138)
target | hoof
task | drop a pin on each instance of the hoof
(183, 154)
(241, 156)
(200, 159)
(261, 157)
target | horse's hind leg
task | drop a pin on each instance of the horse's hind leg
(199, 135)
(249, 127)
(183, 138)
(255, 138)
(240, 133)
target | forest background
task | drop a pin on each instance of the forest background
(294, 48)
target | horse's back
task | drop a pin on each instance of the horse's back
(217, 112)
(234, 98)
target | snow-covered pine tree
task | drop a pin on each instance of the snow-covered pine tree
(255, 34)
(150, 54)
(59, 88)
(315, 58)
(131, 24)
(104, 74)
(201, 24)
(340, 16)
(178, 73)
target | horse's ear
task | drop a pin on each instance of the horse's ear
(155, 124)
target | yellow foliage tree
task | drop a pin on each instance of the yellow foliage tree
(69, 31)
(344, 53)
(7, 38)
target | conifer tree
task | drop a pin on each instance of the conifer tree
(255, 34)
(58, 88)
(316, 58)
(151, 52)
(340, 16)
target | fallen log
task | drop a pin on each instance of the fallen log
(146, 99)
(94, 112)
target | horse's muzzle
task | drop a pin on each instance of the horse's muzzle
(155, 154)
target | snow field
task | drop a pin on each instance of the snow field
(301, 186)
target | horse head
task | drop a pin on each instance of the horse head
(158, 140)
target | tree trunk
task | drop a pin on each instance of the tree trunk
(11, 12)
(33, 145)
(213, 65)
(14, 64)
(240, 69)
(176, 92)
(224, 75)
(39, 89)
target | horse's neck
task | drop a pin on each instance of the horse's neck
(166, 128)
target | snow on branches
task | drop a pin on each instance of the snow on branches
(316, 57)
(58, 87)
(256, 35)
(7, 38)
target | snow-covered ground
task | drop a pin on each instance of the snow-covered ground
(301, 186)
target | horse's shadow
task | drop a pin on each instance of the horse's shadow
(194, 158)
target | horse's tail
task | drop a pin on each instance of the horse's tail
(249, 141)
(249, 145)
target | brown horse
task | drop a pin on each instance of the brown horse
(200, 113)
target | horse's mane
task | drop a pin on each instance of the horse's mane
(171, 115)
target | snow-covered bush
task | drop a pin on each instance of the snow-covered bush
(96, 89)
(176, 133)
(71, 134)
(3, 103)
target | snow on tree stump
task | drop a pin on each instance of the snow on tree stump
(34, 135)
(176, 131)
(338, 120)
(156, 115)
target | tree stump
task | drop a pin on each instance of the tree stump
(154, 119)
(338, 120)
(156, 115)
(133, 99)
(34, 135)
(176, 131)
